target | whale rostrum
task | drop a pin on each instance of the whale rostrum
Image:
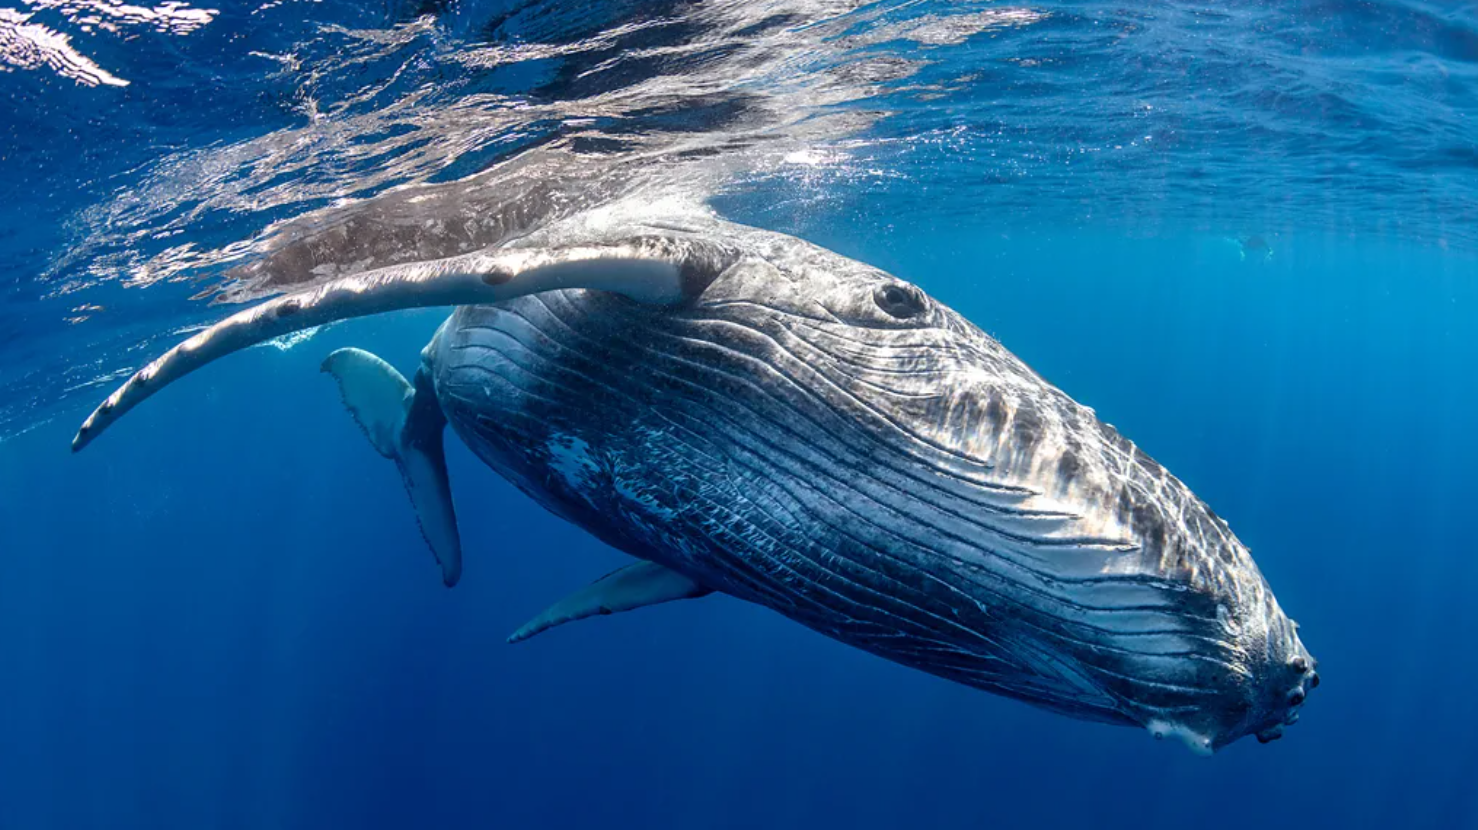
(749, 414)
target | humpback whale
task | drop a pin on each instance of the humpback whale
(748, 414)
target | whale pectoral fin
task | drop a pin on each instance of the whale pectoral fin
(646, 268)
(422, 465)
(376, 395)
(405, 423)
(634, 586)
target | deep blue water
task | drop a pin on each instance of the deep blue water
(223, 615)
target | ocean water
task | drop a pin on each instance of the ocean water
(1247, 236)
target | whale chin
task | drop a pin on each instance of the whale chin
(1275, 683)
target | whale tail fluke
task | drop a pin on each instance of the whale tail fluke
(405, 424)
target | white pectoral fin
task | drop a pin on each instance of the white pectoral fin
(649, 269)
(405, 424)
(634, 586)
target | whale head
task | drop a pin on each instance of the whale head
(1031, 549)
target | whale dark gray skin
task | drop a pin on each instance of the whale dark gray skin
(749, 414)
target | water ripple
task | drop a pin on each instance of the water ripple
(247, 126)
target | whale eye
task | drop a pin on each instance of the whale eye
(900, 300)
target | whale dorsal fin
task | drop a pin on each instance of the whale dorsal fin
(647, 268)
(634, 586)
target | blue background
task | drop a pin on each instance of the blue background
(222, 614)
